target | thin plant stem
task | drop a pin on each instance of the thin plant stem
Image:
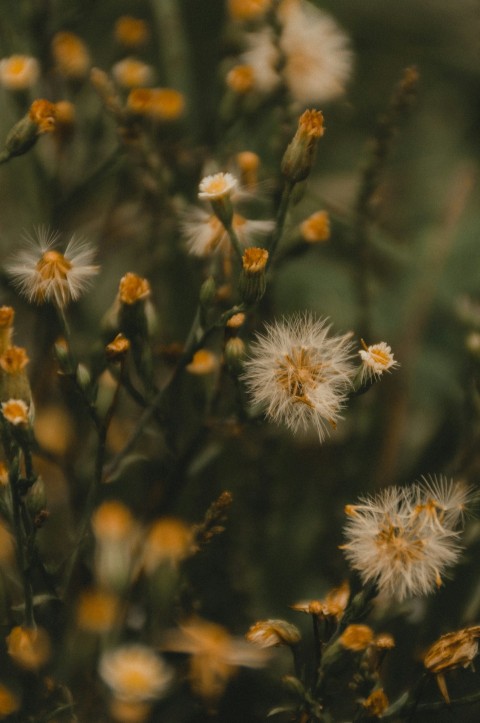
(234, 241)
(281, 218)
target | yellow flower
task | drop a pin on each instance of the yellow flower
(356, 637)
(217, 186)
(316, 227)
(19, 72)
(9, 702)
(169, 540)
(240, 79)
(97, 611)
(14, 360)
(135, 673)
(376, 360)
(43, 114)
(133, 288)
(112, 521)
(131, 32)
(132, 73)
(16, 412)
(203, 362)
(71, 55)
(161, 105)
(248, 9)
(29, 647)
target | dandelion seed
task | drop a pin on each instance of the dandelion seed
(19, 72)
(299, 374)
(44, 274)
(376, 360)
(402, 540)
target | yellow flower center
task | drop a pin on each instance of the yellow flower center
(17, 65)
(53, 265)
(380, 356)
(298, 373)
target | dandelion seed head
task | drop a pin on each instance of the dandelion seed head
(318, 59)
(404, 539)
(43, 274)
(299, 374)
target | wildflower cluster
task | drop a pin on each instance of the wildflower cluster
(222, 306)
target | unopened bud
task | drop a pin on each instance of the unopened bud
(235, 353)
(298, 159)
(208, 292)
(252, 282)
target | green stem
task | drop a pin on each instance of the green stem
(234, 241)
(23, 563)
(281, 218)
(173, 44)
(194, 342)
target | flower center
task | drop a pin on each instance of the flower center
(53, 265)
(380, 356)
(298, 373)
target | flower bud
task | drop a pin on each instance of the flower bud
(235, 353)
(298, 159)
(208, 292)
(252, 282)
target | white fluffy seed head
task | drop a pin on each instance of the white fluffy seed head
(404, 539)
(42, 273)
(299, 374)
